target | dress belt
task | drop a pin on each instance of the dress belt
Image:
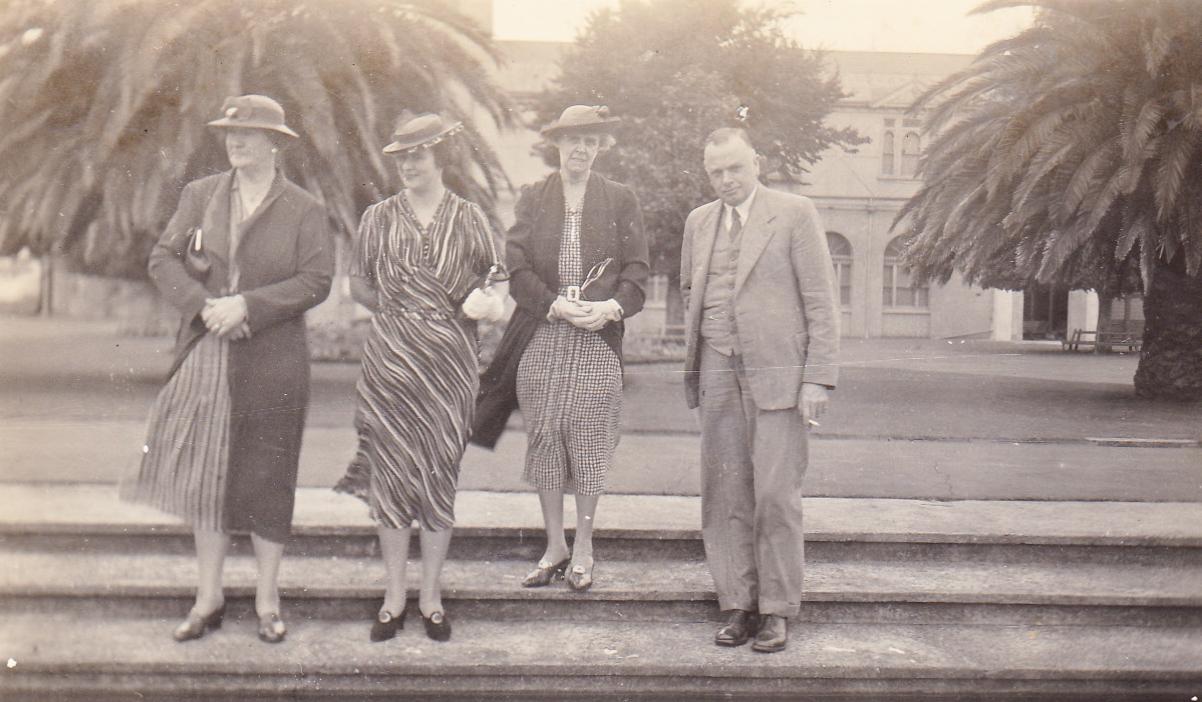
(427, 315)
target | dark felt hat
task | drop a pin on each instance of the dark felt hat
(586, 118)
(253, 112)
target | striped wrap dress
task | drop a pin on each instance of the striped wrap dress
(420, 371)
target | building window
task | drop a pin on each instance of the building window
(898, 290)
(840, 249)
(887, 147)
(910, 151)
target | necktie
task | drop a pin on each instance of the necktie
(736, 225)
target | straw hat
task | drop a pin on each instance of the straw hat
(424, 130)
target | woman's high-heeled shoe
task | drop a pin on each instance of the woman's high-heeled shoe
(387, 624)
(196, 626)
(271, 628)
(581, 578)
(438, 626)
(546, 573)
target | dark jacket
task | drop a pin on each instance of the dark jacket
(286, 261)
(612, 227)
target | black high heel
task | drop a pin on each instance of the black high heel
(546, 573)
(387, 624)
(195, 626)
(438, 626)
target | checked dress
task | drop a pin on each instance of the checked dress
(569, 388)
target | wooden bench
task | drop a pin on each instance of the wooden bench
(1130, 336)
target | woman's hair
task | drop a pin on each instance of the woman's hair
(445, 153)
(607, 139)
(551, 153)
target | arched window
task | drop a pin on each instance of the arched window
(911, 150)
(887, 147)
(840, 249)
(898, 290)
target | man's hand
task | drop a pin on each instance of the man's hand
(813, 402)
(224, 315)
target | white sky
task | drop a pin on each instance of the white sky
(935, 26)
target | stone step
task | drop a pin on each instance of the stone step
(891, 591)
(493, 525)
(69, 656)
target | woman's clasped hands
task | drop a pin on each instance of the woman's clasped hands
(226, 317)
(588, 315)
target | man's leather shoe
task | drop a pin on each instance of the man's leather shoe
(773, 634)
(739, 627)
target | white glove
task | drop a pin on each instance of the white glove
(598, 315)
(480, 304)
(610, 309)
(565, 309)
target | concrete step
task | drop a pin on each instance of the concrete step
(891, 591)
(68, 656)
(493, 525)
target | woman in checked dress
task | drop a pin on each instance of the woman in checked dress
(578, 259)
(422, 264)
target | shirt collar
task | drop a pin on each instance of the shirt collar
(743, 208)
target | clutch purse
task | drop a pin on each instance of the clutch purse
(196, 259)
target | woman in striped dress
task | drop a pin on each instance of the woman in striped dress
(225, 432)
(422, 264)
(578, 257)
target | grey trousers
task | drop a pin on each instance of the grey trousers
(752, 465)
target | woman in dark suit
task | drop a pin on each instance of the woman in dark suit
(225, 432)
(577, 255)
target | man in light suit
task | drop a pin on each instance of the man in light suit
(762, 336)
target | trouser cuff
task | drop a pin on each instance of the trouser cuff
(779, 608)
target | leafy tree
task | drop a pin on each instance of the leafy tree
(105, 105)
(674, 70)
(1072, 152)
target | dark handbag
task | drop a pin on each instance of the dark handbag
(196, 259)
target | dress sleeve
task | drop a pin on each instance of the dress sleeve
(366, 247)
(485, 247)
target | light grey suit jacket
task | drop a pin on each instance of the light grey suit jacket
(785, 311)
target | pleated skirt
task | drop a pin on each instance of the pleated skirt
(184, 469)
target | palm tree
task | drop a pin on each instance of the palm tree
(1072, 152)
(104, 106)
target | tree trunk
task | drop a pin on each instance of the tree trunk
(1170, 361)
(1105, 310)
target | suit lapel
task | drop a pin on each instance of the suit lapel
(216, 220)
(707, 232)
(246, 229)
(549, 226)
(756, 234)
(592, 222)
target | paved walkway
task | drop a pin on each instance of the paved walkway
(911, 418)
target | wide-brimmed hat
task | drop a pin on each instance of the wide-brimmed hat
(589, 118)
(253, 112)
(424, 130)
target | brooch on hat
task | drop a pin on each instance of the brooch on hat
(231, 112)
(603, 111)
